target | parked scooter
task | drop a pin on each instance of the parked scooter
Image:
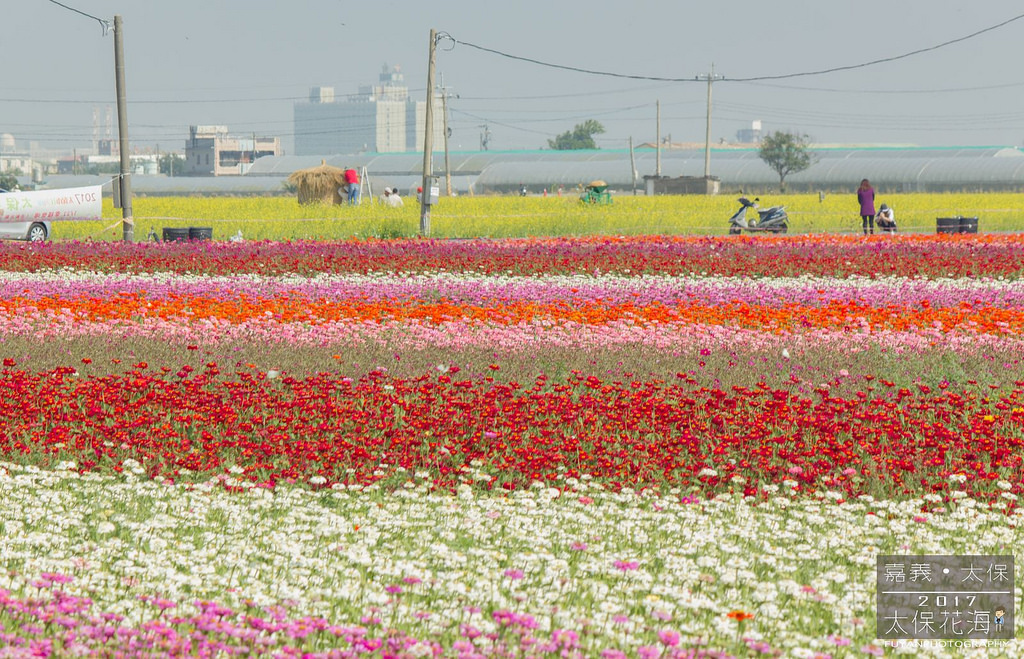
(773, 220)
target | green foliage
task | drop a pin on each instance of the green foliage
(172, 164)
(95, 169)
(786, 153)
(580, 137)
(8, 181)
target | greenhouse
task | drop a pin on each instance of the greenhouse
(835, 169)
(949, 169)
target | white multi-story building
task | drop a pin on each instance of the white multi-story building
(210, 151)
(750, 135)
(380, 118)
(12, 160)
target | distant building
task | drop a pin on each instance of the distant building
(108, 147)
(381, 118)
(210, 151)
(750, 135)
(11, 159)
(75, 164)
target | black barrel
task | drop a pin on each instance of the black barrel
(968, 225)
(947, 225)
(200, 233)
(175, 234)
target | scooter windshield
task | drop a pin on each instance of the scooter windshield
(740, 217)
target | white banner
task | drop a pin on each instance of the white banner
(52, 205)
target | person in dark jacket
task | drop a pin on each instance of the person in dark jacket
(866, 197)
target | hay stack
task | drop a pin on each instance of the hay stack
(318, 185)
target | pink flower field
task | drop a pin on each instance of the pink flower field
(593, 447)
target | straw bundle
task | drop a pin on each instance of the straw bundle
(318, 185)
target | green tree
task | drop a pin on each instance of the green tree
(169, 160)
(786, 153)
(96, 169)
(580, 137)
(8, 181)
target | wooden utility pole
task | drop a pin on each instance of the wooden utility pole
(428, 140)
(124, 181)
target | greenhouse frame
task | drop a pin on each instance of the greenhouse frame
(890, 169)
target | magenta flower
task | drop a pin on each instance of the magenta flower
(627, 566)
(514, 575)
(610, 653)
(760, 647)
(669, 637)
(57, 577)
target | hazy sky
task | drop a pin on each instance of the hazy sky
(244, 63)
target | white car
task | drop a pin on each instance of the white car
(31, 231)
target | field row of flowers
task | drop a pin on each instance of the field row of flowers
(106, 563)
(328, 429)
(760, 257)
(281, 218)
(470, 288)
(543, 447)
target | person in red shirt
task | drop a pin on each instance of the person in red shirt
(352, 181)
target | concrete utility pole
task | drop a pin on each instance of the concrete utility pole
(657, 146)
(447, 131)
(710, 77)
(124, 181)
(428, 140)
(632, 163)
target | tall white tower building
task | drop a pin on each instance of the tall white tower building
(381, 118)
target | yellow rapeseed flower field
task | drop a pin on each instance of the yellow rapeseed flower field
(282, 218)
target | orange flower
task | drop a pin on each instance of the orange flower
(739, 616)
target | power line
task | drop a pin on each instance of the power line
(173, 101)
(572, 68)
(105, 24)
(748, 79)
(946, 90)
(627, 90)
(885, 59)
(499, 123)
